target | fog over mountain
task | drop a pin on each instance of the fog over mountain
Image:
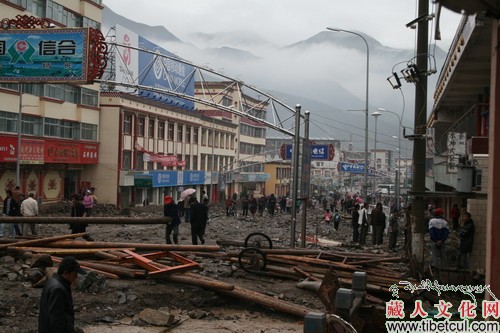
(325, 73)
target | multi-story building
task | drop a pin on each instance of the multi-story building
(324, 173)
(246, 171)
(461, 128)
(59, 123)
(150, 149)
(280, 179)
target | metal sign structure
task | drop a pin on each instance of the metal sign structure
(318, 152)
(55, 55)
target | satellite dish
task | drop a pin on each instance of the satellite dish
(472, 6)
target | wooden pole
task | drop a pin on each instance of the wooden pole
(41, 241)
(88, 220)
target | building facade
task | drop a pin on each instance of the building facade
(246, 171)
(57, 125)
(150, 149)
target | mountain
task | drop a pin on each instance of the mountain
(325, 73)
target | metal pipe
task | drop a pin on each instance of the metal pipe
(307, 115)
(295, 183)
(365, 185)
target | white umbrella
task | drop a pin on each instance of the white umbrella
(187, 192)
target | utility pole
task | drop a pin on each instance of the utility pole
(418, 186)
(295, 177)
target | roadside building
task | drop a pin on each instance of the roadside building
(59, 121)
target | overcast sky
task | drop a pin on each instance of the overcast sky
(286, 21)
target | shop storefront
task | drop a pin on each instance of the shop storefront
(51, 169)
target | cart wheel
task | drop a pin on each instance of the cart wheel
(259, 241)
(252, 259)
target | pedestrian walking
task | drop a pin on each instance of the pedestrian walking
(438, 232)
(354, 224)
(170, 209)
(88, 203)
(466, 241)
(377, 221)
(29, 208)
(78, 210)
(199, 218)
(56, 303)
(363, 223)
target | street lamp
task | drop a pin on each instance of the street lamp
(365, 189)
(375, 115)
(398, 181)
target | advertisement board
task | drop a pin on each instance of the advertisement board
(44, 55)
(152, 70)
(318, 152)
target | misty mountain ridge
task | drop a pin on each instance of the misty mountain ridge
(324, 73)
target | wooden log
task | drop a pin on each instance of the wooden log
(42, 241)
(106, 274)
(137, 246)
(56, 251)
(375, 261)
(117, 270)
(87, 220)
(268, 301)
(305, 274)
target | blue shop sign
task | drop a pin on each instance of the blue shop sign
(164, 178)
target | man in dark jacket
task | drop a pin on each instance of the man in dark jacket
(377, 221)
(466, 240)
(199, 218)
(56, 304)
(170, 210)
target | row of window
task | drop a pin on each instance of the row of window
(64, 92)
(255, 132)
(43, 126)
(251, 149)
(55, 11)
(180, 133)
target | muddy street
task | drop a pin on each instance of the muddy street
(105, 304)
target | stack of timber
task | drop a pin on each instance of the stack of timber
(169, 262)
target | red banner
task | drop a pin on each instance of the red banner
(31, 150)
(35, 151)
(70, 152)
(168, 160)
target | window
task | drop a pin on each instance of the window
(203, 162)
(70, 130)
(127, 124)
(161, 129)
(52, 127)
(210, 138)
(34, 89)
(37, 7)
(216, 139)
(126, 160)
(170, 132)
(195, 135)
(140, 126)
(8, 122)
(151, 128)
(55, 91)
(32, 125)
(179, 159)
(180, 132)
(188, 162)
(88, 132)
(139, 160)
(188, 134)
(204, 136)
(222, 140)
(89, 97)
(195, 162)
